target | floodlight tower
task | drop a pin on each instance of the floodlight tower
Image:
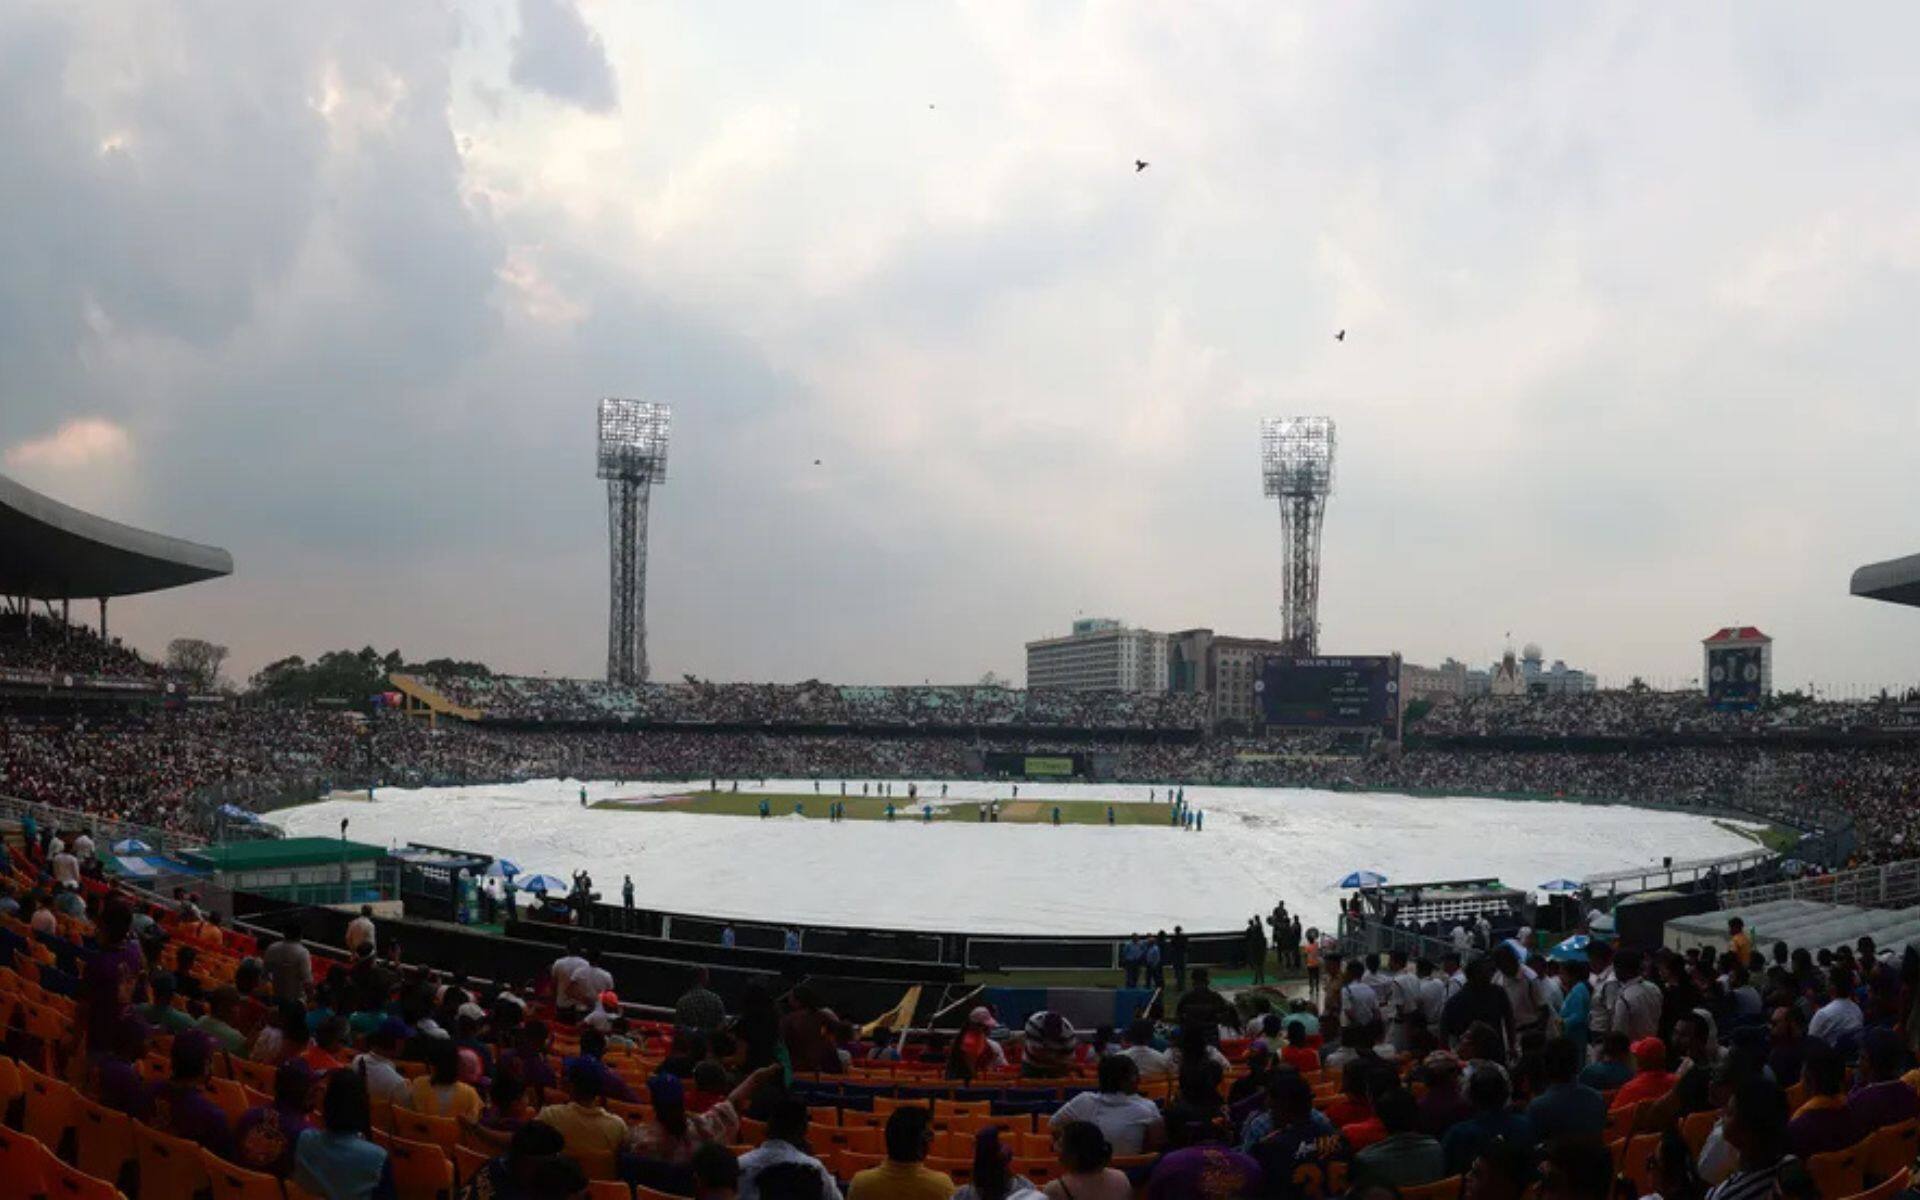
(633, 457)
(1296, 463)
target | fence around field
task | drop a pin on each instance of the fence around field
(1889, 885)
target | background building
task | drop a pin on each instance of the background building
(1223, 667)
(1100, 654)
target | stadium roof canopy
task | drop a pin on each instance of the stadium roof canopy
(1896, 581)
(53, 551)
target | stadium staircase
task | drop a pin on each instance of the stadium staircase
(424, 697)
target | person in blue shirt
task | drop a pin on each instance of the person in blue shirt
(1566, 1108)
(1577, 1009)
(1489, 1093)
(337, 1160)
(1109, 814)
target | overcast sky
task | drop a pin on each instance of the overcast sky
(1630, 295)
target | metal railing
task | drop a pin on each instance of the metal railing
(1889, 885)
(106, 831)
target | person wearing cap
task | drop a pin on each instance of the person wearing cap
(264, 1136)
(974, 1049)
(673, 1134)
(384, 1080)
(1048, 1044)
(1566, 1107)
(1651, 1079)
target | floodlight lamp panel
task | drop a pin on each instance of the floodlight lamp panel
(633, 440)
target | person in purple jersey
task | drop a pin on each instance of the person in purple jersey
(112, 979)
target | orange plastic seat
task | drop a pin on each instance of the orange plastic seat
(597, 1166)
(443, 1132)
(1620, 1122)
(230, 1096)
(853, 1162)
(608, 1189)
(50, 1107)
(468, 1162)
(296, 1192)
(647, 1193)
(421, 1170)
(828, 1117)
(1890, 1149)
(1837, 1173)
(1695, 1128)
(1638, 1163)
(170, 1167)
(859, 1141)
(962, 1108)
(10, 1083)
(63, 1182)
(103, 1139)
(237, 1183)
(258, 1076)
(24, 1162)
(1888, 1188)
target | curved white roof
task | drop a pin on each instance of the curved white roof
(53, 551)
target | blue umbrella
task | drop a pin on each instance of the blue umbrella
(501, 868)
(1574, 949)
(131, 846)
(1560, 885)
(545, 883)
(1362, 879)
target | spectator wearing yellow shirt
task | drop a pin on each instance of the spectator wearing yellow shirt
(1739, 941)
(588, 1128)
(904, 1176)
(439, 1093)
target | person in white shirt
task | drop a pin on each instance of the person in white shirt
(384, 1080)
(1430, 994)
(55, 845)
(1132, 1122)
(1153, 1065)
(1522, 987)
(1839, 1019)
(563, 969)
(66, 870)
(1359, 1003)
(1636, 1002)
(1403, 1000)
(1462, 940)
(586, 984)
(1606, 989)
(83, 845)
(360, 930)
(786, 1133)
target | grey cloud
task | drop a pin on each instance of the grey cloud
(556, 52)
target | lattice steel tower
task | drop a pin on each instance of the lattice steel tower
(633, 457)
(1296, 464)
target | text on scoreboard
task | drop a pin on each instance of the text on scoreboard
(1324, 690)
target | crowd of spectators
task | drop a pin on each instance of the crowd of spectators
(1643, 713)
(523, 699)
(143, 765)
(1735, 1072)
(38, 643)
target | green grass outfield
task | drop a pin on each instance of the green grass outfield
(874, 808)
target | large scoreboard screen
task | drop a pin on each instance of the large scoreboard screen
(1349, 692)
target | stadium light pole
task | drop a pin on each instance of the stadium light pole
(1296, 468)
(633, 458)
